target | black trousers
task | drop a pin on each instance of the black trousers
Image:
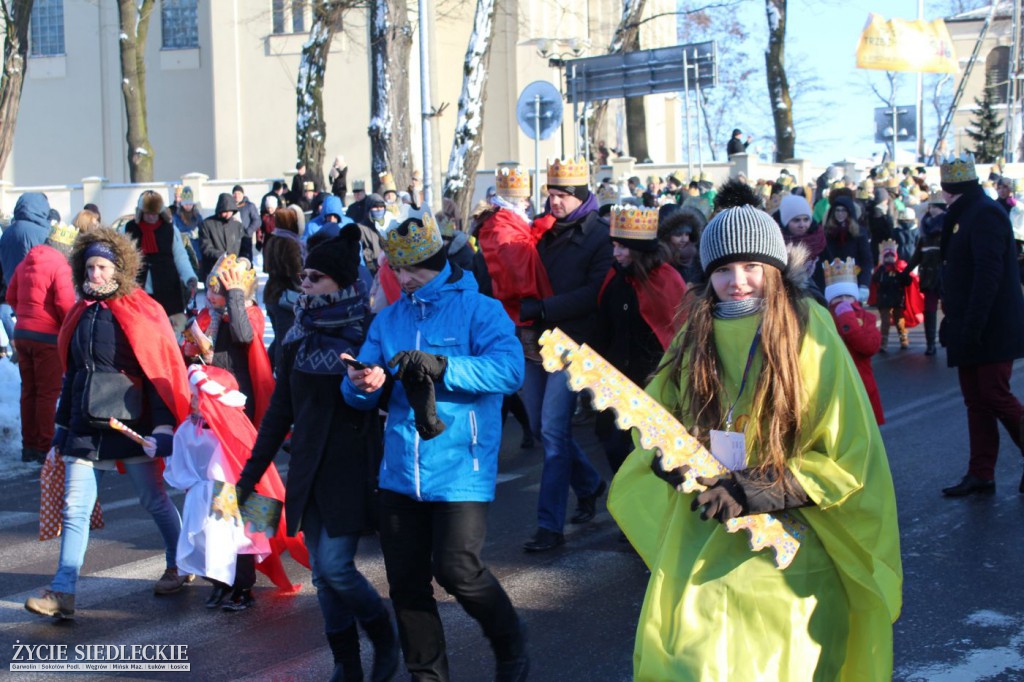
(442, 540)
(245, 574)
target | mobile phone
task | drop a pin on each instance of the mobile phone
(354, 364)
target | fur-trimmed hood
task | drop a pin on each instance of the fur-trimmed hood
(683, 217)
(129, 259)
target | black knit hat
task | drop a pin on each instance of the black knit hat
(743, 233)
(338, 258)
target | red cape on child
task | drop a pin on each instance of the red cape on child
(659, 299)
(259, 362)
(913, 299)
(509, 246)
(236, 436)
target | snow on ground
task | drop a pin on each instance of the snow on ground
(10, 423)
(1004, 662)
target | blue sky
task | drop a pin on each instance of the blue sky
(821, 41)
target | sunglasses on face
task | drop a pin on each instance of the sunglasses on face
(312, 276)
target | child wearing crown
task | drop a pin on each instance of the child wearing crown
(857, 327)
(210, 448)
(895, 292)
(228, 333)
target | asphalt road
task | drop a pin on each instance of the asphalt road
(963, 615)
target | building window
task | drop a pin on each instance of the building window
(288, 16)
(47, 28)
(997, 73)
(277, 11)
(180, 24)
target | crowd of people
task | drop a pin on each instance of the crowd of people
(743, 309)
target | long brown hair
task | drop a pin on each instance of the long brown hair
(774, 430)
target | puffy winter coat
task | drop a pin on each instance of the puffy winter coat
(30, 227)
(41, 293)
(447, 316)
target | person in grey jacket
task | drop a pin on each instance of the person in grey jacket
(221, 233)
(249, 216)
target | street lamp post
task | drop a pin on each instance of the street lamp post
(548, 49)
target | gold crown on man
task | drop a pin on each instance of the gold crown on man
(568, 172)
(63, 234)
(386, 183)
(958, 169)
(418, 244)
(634, 222)
(840, 271)
(512, 182)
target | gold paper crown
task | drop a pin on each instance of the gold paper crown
(887, 246)
(634, 222)
(840, 271)
(243, 266)
(958, 169)
(607, 193)
(418, 244)
(386, 183)
(512, 183)
(63, 234)
(568, 172)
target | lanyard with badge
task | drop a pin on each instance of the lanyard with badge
(730, 447)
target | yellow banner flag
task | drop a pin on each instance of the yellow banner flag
(901, 45)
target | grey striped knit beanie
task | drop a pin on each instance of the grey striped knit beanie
(742, 233)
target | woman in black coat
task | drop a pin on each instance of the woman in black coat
(335, 453)
(845, 238)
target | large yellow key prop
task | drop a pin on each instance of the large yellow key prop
(659, 430)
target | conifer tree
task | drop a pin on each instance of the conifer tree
(986, 129)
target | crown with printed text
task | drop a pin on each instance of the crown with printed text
(634, 222)
(568, 172)
(512, 182)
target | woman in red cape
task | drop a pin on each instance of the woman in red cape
(120, 359)
(637, 309)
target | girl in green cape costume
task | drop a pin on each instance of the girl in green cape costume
(759, 359)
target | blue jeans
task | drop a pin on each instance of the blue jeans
(344, 594)
(7, 321)
(550, 403)
(80, 484)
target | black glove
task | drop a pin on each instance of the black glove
(242, 492)
(415, 365)
(724, 499)
(674, 477)
(531, 309)
(60, 438)
(424, 407)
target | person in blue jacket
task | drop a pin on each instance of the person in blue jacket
(332, 215)
(448, 355)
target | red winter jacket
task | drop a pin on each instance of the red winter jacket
(859, 332)
(41, 293)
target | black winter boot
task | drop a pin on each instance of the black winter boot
(929, 331)
(511, 658)
(345, 647)
(386, 652)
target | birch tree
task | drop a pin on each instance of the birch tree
(310, 127)
(390, 44)
(466, 150)
(15, 16)
(134, 16)
(778, 85)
